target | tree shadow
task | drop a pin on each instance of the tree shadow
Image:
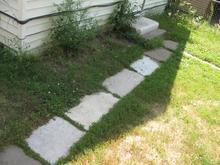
(148, 101)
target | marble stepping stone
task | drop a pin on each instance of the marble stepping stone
(92, 108)
(171, 45)
(123, 83)
(145, 66)
(53, 140)
(159, 54)
(145, 25)
(15, 156)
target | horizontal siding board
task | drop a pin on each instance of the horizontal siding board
(43, 24)
(10, 7)
(36, 8)
(154, 3)
(30, 42)
(8, 38)
(157, 10)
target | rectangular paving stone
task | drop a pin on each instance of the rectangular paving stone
(159, 54)
(145, 25)
(16, 156)
(53, 140)
(92, 108)
(123, 82)
(171, 45)
(145, 66)
(158, 33)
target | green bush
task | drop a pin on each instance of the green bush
(173, 6)
(72, 29)
(123, 16)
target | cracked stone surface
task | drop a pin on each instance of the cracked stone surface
(92, 108)
(171, 44)
(123, 83)
(15, 156)
(159, 54)
(145, 25)
(53, 140)
(145, 66)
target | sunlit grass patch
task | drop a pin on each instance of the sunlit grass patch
(185, 131)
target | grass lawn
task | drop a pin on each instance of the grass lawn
(166, 120)
(34, 89)
(203, 41)
(173, 117)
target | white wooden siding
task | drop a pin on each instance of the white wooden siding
(11, 7)
(34, 32)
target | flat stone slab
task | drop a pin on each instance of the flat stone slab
(145, 25)
(171, 45)
(53, 140)
(159, 33)
(123, 83)
(145, 66)
(15, 156)
(92, 108)
(159, 54)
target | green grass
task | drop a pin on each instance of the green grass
(172, 117)
(203, 40)
(204, 43)
(33, 89)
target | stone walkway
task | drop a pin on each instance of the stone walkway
(92, 108)
(53, 140)
(15, 156)
(123, 82)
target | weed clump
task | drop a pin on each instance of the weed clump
(121, 22)
(122, 17)
(72, 29)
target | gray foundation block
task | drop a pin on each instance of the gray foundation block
(92, 108)
(15, 156)
(171, 45)
(123, 82)
(145, 66)
(159, 33)
(53, 140)
(159, 54)
(145, 25)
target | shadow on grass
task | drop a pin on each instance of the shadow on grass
(139, 105)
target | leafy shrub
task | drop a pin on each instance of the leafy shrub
(123, 16)
(121, 21)
(72, 29)
(173, 6)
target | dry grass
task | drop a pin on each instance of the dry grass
(165, 140)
